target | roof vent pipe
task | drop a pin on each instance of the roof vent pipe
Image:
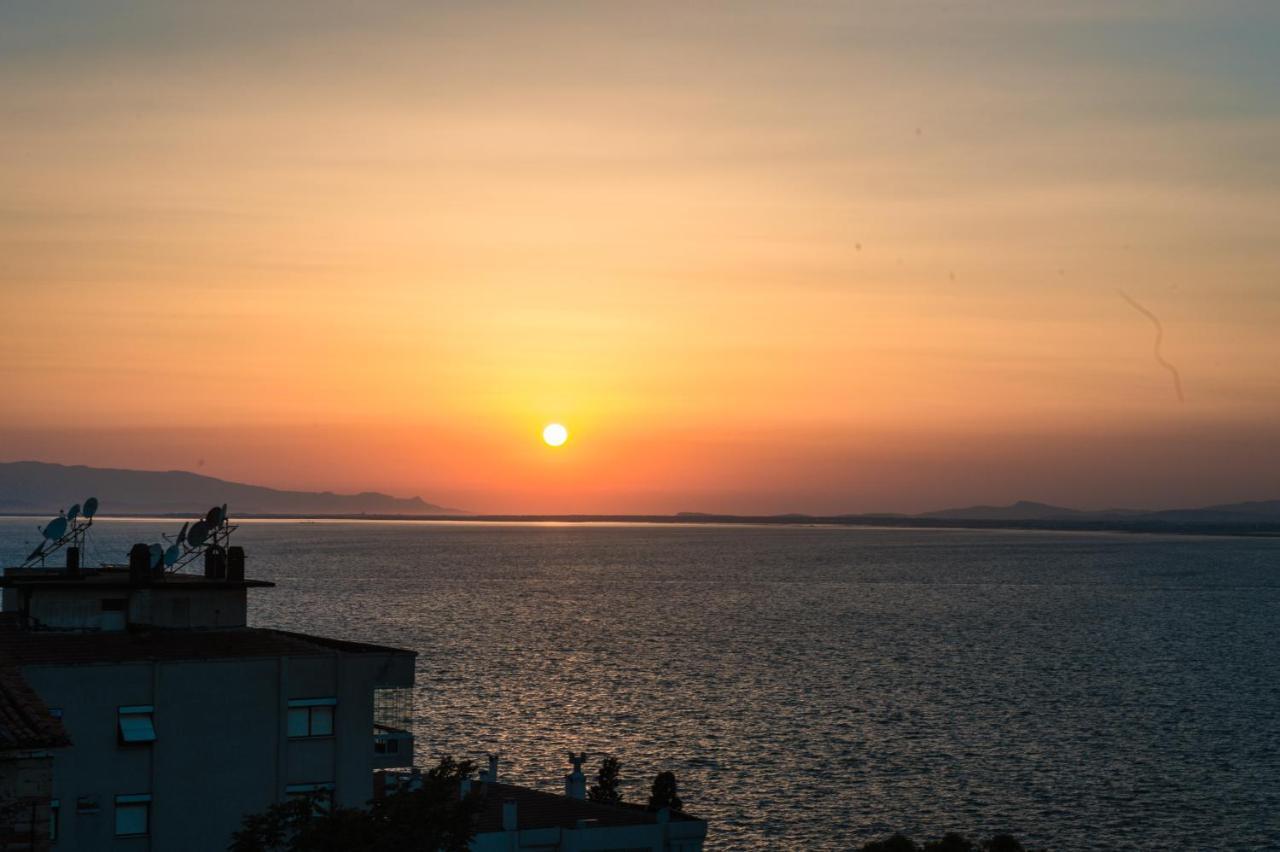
(235, 564)
(490, 776)
(139, 565)
(575, 783)
(215, 563)
(509, 815)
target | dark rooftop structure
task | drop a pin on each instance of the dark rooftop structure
(109, 578)
(47, 647)
(539, 809)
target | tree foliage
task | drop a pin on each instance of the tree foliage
(949, 842)
(605, 790)
(664, 793)
(432, 816)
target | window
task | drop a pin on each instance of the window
(54, 807)
(115, 604)
(136, 725)
(55, 712)
(321, 795)
(311, 717)
(133, 814)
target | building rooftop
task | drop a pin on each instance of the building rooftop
(538, 809)
(25, 721)
(23, 647)
(111, 578)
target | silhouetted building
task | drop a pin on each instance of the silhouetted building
(149, 716)
(28, 734)
(520, 819)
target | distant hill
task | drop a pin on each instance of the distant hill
(41, 488)
(1266, 511)
(1255, 518)
(1023, 510)
(1258, 511)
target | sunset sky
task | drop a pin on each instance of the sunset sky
(757, 257)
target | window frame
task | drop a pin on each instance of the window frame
(315, 708)
(320, 793)
(133, 802)
(131, 712)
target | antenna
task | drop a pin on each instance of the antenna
(68, 528)
(196, 537)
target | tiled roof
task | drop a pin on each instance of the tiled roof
(48, 647)
(25, 722)
(536, 809)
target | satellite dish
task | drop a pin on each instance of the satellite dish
(90, 507)
(214, 517)
(182, 533)
(56, 528)
(157, 554)
(172, 554)
(73, 513)
(197, 534)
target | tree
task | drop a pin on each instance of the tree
(432, 816)
(1003, 843)
(664, 793)
(605, 790)
(896, 843)
(949, 842)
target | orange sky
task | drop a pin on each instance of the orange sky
(821, 257)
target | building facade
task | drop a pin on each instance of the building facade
(179, 719)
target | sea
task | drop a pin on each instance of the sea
(817, 687)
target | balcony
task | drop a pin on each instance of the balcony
(392, 716)
(391, 747)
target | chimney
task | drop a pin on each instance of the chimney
(508, 814)
(73, 561)
(235, 564)
(575, 783)
(491, 775)
(215, 563)
(139, 565)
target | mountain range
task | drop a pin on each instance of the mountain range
(30, 487)
(41, 488)
(1259, 511)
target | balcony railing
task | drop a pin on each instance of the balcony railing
(392, 746)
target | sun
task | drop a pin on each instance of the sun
(555, 434)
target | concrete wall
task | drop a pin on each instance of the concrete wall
(180, 605)
(221, 746)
